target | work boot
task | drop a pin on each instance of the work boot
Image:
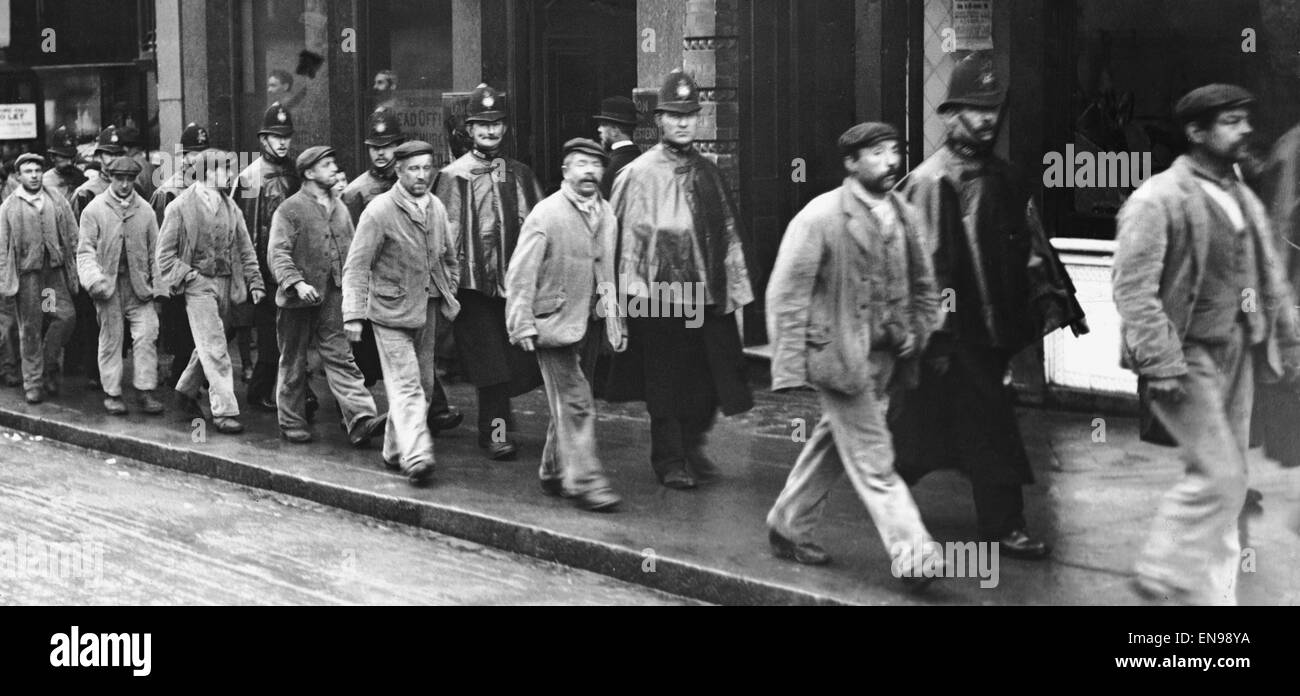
(679, 480)
(806, 553)
(149, 403)
(598, 500)
(367, 428)
(499, 451)
(227, 425)
(296, 436)
(35, 395)
(420, 473)
(1018, 544)
(446, 420)
(114, 405)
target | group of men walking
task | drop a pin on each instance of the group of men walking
(899, 299)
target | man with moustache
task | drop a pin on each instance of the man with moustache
(614, 124)
(85, 336)
(401, 274)
(38, 266)
(118, 268)
(204, 252)
(65, 176)
(384, 135)
(560, 283)
(1206, 311)
(678, 226)
(260, 189)
(1008, 289)
(310, 235)
(177, 339)
(850, 304)
(487, 196)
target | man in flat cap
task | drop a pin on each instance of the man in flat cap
(401, 274)
(1206, 311)
(84, 353)
(174, 326)
(850, 304)
(205, 253)
(38, 265)
(487, 196)
(384, 135)
(310, 236)
(118, 267)
(260, 189)
(1005, 288)
(679, 240)
(136, 148)
(614, 124)
(559, 286)
(63, 176)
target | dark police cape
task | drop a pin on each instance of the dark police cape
(992, 257)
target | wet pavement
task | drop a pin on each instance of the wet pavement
(93, 529)
(1096, 492)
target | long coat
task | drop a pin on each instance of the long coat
(560, 264)
(106, 227)
(57, 210)
(819, 310)
(618, 159)
(655, 196)
(259, 190)
(395, 254)
(178, 235)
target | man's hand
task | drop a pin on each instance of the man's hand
(528, 344)
(907, 347)
(306, 292)
(352, 330)
(258, 296)
(1167, 389)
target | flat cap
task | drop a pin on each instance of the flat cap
(586, 147)
(1211, 98)
(29, 157)
(866, 135)
(412, 148)
(123, 165)
(311, 156)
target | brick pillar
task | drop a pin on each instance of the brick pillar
(711, 55)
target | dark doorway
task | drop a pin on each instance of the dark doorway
(582, 52)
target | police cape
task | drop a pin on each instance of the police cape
(1277, 406)
(1001, 286)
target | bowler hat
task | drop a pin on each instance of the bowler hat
(617, 110)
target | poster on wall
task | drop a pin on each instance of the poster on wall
(972, 22)
(17, 121)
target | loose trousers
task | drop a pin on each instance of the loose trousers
(1194, 544)
(10, 354)
(570, 451)
(407, 358)
(125, 305)
(207, 304)
(852, 437)
(45, 323)
(298, 330)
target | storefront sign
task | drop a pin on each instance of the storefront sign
(17, 121)
(972, 21)
(420, 113)
(646, 134)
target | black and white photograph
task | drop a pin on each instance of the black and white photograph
(907, 303)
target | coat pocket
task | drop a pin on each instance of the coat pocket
(546, 306)
(389, 290)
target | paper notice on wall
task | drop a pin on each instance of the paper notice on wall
(17, 121)
(972, 22)
(420, 114)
